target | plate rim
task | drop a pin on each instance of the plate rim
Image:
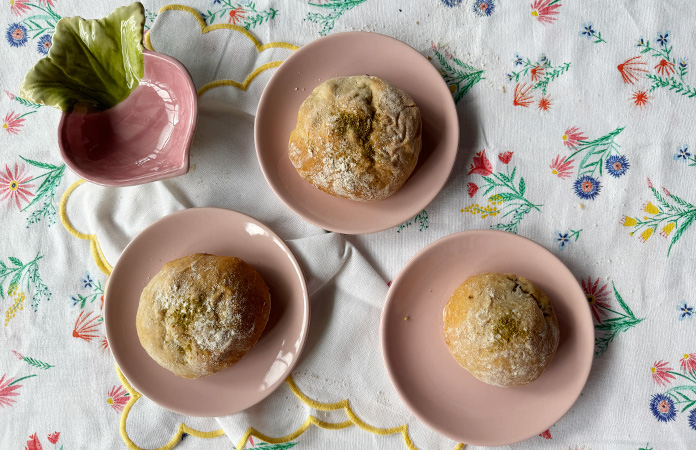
(413, 261)
(265, 100)
(277, 239)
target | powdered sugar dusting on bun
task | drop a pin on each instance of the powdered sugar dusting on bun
(501, 328)
(356, 137)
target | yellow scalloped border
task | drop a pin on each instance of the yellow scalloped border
(226, 26)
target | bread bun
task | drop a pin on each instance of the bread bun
(356, 137)
(202, 313)
(501, 328)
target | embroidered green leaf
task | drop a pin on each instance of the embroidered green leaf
(36, 363)
(92, 63)
(15, 261)
(522, 186)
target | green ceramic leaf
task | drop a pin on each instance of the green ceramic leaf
(92, 63)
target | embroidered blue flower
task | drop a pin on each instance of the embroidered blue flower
(484, 7)
(543, 59)
(692, 419)
(44, 44)
(87, 281)
(683, 63)
(685, 311)
(563, 240)
(616, 165)
(510, 77)
(451, 3)
(587, 187)
(682, 153)
(587, 30)
(641, 42)
(663, 38)
(518, 60)
(16, 35)
(662, 407)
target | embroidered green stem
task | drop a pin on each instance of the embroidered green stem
(595, 153)
(46, 192)
(337, 9)
(461, 77)
(610, 328)
(20, 379)
(550, 75)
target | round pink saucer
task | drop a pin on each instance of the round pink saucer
(344, 54)
(435, 387)
(220, 232)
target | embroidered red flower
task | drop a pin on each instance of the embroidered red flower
(630, 69)
(522, 95)
(118, 397)
(546, 434)
(572, 137)
(481, 165)
(665, 68)
(13, 122)
(104, 344)
(505, 157)
(236, 15)
(471, 189)
(7, 390)
(14, 187)
(660, 373)
(19, 7)
(688, 362)
(86, 327)
(597, 297)
(53, 437)
(544, 104)
(561, 168)
(537, 72)
(545, 10)
(640, 98)
(33, 443)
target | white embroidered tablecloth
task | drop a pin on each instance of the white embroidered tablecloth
(576, 118)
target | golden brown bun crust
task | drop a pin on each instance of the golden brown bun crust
(357, 138)
(202, 313)
(501, 328)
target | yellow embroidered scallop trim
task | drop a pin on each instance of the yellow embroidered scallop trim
(227, 26)
(94, 247)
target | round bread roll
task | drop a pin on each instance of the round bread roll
(357, 138)
(202, 313)
(501, 328)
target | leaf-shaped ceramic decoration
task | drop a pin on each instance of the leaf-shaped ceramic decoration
(92, 63)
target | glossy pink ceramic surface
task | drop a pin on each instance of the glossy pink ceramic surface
(144, 138)
(344, 54)
(429, 380)
(220, 232)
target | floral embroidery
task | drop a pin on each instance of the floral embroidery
(335, 8)
(14, 186)
(95, 291)
(540, 74)
(631, 69)
(685, 311)
(684, 155)
(16, 35)
(484, 8)
(664, 405)
(22, 275)
(545, 11)
(606, 330)
(459, 76)
(33, 443)
(53, 437)
(546, 434)
(421, 219)
(669, 71)
(588, 31)
(86, 326)
(672, 214)
(595, 157)
(640, 98)
(118, 397)
(44, 44)
(511, 193)
(661, 373)
(13, 121)
(22, 101)
(505, 157)
(245, 15)
(7, 390)
(565, 238)
(471, 189)
(451, 3)
(150, 17)
(32, 361)
(42, 24)
(45, 193)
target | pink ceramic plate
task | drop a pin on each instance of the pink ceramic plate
(432, 384)
(144, 138)
(220, 232)
(344, 54)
